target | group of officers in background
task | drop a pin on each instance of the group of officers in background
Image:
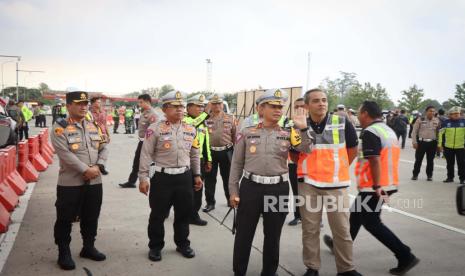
(260, 158)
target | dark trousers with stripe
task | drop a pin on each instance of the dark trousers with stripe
(452, 155)
(135, 164)
(428, 148)
(221, 159)
(84, 201)
(251, 206)
(165, 191)
(197, 201)
(371, 220)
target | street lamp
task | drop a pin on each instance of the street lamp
(26, 71)
(3, 84)
(17, 61)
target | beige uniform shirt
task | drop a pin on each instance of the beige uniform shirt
(425, 129)
(265, 152)
(78, 146)
(169, 146)
(222, 129)
(147, 118)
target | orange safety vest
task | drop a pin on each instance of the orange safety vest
(390, 154)
(327, 165)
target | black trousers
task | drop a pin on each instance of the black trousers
(116, 125)
(428, 148)
(451, 155)
(223, 160)
(197, 195)
(373, 224)
(251, 206)
(84, 201)
(294, 185)
(24, 131)
(135, 164)
(166, 191)
(402, 134)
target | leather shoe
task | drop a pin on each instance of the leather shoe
(92, 253)
(414, 178)
(429, 178)
(329, 242)
(403, 267)
(209, 208)
(127, 185)
(311, 272)
(198, 221)
(462, 181)
(155, 255)
(187, 252)
(448, 180)
(294, 222)
(349, 273)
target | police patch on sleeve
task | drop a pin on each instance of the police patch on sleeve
(195, 143)
(149, 133)
(59, 131)
(295, 138)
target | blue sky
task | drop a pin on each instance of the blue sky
(119, 46)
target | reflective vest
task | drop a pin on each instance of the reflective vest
(389, 157)
(129, 112)
(63, 110)
(327, 166)
(202, 133)
(27, 113)
(452, 134)
(114, 114)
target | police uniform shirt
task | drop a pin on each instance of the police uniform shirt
(425, 129)
(147, 118)
(264, 152)
(222, 129)
(169, 146)
(78, 146)
(350, 132)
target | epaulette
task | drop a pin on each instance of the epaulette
(62, 122)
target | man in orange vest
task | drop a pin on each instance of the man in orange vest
(324, 175)
(377, 172)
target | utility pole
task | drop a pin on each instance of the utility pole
(17, 61)
(308, 71)
(26, 71)
(208, 86)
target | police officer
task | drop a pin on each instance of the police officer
(260, 159)
(172, 145)
(196, 117)
(222, 129)
(115, 116)
(148, 117)
(425, 141)
(79, 193)
(452, 140)
(129, 120)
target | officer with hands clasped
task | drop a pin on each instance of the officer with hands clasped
(260, 159)
(173, 146)
(82, 153)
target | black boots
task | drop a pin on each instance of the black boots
(64, 258)
(90, 252)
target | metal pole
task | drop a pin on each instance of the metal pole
(17, 76)
(308, 71)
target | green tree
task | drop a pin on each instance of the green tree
(448, 104)
(134, 94)
(429, 102)
(411, 98)
(459, 99)
(231, 99)
(339, 87)
(358, 93)
(165, 89)
(43, 87)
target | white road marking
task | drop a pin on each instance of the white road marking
(433, 222)
(7, 239)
